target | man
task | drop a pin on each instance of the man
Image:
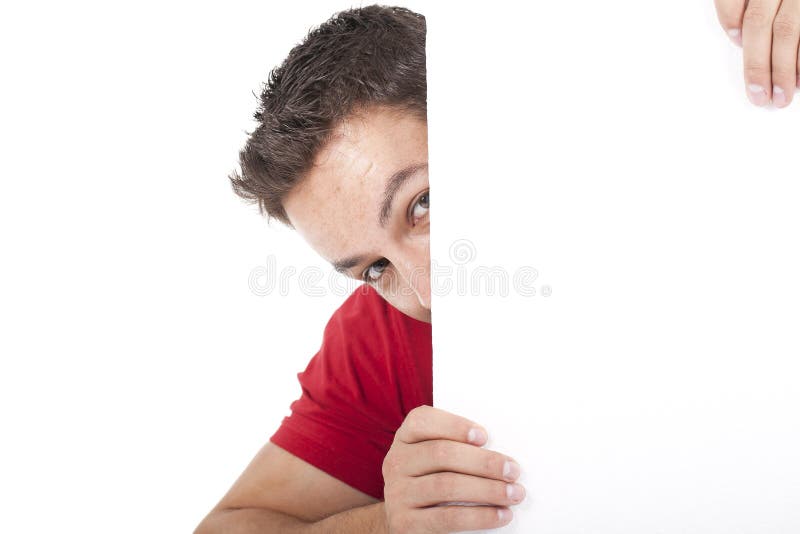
(340, 154)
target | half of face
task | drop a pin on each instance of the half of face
(364, 205)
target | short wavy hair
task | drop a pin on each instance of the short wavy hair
(373, 55)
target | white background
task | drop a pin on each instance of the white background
(610, 146)
(140, 372)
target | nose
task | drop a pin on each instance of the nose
(414, 266)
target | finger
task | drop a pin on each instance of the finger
(463, 518)
(437, 488)
(438, 455)
(426, 422)
(757, 43)
(729, 13)
(785, 39)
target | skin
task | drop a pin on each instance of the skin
(337, 206)
(769, 33)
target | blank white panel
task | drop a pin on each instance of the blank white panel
(604, 156)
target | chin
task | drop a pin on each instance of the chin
(410, 307)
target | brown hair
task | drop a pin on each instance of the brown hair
(372, 55)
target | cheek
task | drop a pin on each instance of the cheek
(405, 294)
(391, 285)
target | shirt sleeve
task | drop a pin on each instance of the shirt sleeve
(344, 422)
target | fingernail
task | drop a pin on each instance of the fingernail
(778, 96)
(476, 436)
(515, 492)
(736, 36)
(503, 515)
(758, 96)
(511, 470)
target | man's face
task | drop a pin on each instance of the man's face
(363, 206)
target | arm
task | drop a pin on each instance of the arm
(279, 493)
(435, 462)
(365, 519)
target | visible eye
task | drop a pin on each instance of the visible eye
(375, 271)
(421, 207)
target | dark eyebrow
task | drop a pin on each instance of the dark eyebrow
(394, 184)
(344, 265)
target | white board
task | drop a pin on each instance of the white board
(606, 155)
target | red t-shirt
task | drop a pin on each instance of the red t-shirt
(374, 366)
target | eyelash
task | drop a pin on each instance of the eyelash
(425, 194)
(383, 262)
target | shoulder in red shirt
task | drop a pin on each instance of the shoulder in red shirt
(374, 366)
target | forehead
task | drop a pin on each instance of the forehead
(335, 206)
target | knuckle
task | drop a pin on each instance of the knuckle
(442, 486)
(414, 412)
(780, 72)
(411, 416)
(419, 414)
(413, 421)
(756, 69)
(500, 492)
(419, 411)
(461, 518)
(440, 452)
(786, 28)
(757, 16)
(493, 464)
